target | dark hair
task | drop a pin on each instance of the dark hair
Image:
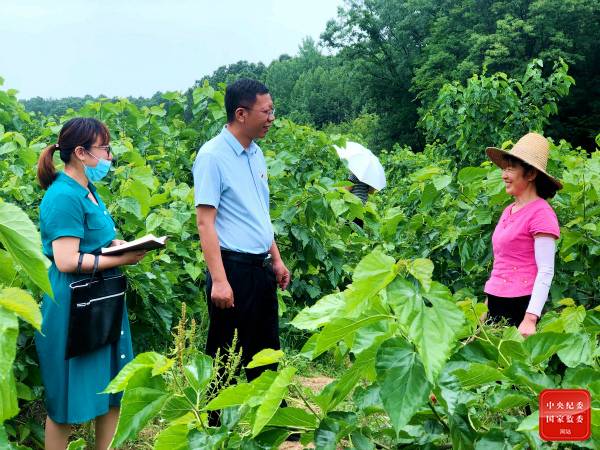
(79, 131)
(544, 187)
(242, 93)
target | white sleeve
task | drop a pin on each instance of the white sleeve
(544, 248)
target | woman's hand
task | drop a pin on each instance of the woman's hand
(527, 326)
(116, 242)
(133, 257)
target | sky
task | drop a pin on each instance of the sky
(60, 48)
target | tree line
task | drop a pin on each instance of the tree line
(379, 64)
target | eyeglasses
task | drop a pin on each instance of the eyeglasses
(267, 112)
(106, 148)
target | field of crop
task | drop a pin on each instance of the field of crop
(387, 315)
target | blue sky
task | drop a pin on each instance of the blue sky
(132, 47)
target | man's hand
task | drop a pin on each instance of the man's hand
(527, 326)
(116, 242)
(221, 295)
(282, 274)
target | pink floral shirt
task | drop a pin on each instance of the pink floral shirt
(514, 269)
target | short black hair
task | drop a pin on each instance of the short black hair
(544, 187)
(242, 93)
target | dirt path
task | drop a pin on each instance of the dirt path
(315, 384)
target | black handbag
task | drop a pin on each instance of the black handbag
(96, 311)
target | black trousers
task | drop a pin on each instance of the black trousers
(511, 308)
(255, 314)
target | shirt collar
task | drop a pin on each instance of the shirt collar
(75, 185)
(235, 144)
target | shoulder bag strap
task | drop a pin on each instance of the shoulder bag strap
(96, 261)
(79, 262)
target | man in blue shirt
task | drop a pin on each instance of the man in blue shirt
(232, 208)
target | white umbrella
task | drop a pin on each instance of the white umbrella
(363, 163)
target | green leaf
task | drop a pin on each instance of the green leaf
(338, 206)
(478, 374)
(176, 407)
(338, 329)
(153, 221)
(422, 270)
(335, 392)
(23, 305)
(149, 360)
(79, 444)
(530, 423)
(433, 329)
(513, 351)
(130, 205)
(495, 439)
(326, 436)
(231, 396)
(9, 147)
(198, 371)
(21, 239)
(239, 394)
(577, 378)
(504, 400)
(265, 357)
(373, 273)
(461, 431)
(541, 346)
(361, 442)
(573, 318)
(9, 330)
(390, 222)
(202, 440)
(320, 313)
(577, 350)
(404, 386)
(8, 271)
(293, 418)
(24, 392)
(442, 181)
(3, 437)
(138, 407)
(272, 399)
(523, 375)
(174, 437)
(430, 193)
(144, 174)
(137, 190)
(469, 175)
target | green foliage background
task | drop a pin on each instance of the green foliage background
(395, 305)
(380, 316)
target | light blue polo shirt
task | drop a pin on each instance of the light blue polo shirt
(234, 180)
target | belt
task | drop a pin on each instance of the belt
(252, 259)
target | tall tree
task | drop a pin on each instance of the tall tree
(387, 36)
(231, 72)
(410, 48)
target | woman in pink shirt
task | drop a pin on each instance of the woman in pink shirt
(524, 241)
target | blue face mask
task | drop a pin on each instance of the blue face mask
(100, 171)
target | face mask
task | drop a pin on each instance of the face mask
(100, 171)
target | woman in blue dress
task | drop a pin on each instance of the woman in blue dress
(74, 220)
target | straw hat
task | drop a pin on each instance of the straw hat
(531, 149)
